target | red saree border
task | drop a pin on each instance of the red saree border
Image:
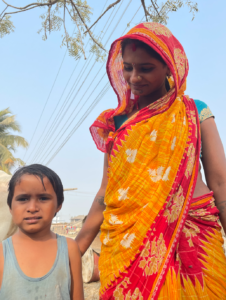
(194, 130)
(162, 274)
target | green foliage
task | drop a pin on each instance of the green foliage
(58, 13)
(160, 14)
(6, 26)
(9, 142)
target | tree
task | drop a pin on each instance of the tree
(79, 12)
(8, 141)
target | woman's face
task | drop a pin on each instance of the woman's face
(145, 74)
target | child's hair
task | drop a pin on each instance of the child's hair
(40, 171)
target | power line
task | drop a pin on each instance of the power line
(73, 117)
(40, 149)
(85, 91)
(85, 115)
(81, 120)
(52, 89)
(60, 120)
(45, 103)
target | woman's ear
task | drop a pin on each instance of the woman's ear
(168, 72)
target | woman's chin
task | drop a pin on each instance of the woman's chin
(138, 92)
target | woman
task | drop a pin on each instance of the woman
(160, 232)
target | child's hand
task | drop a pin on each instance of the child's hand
(76, 270)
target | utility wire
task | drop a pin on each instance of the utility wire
(60, 119)
(45, 104)
(85, 91)
(61, 136)
(81, 120)
(85, 115)
(46, 138)
(63, 90)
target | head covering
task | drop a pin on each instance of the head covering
(153, 167)
(158, 37)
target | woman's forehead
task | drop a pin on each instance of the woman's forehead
(139, 56)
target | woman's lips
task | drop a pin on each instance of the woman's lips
(137, 87)
(32, 220)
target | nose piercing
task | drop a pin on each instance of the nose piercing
(138, 77)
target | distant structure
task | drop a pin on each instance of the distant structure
(57, 220)
(77, 221)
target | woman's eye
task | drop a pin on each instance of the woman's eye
(147, 70)
(128, 69)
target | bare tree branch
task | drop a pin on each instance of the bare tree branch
(49, 17)
(155, 8)
(146, 11)
(36, 4)
(79, 14)
(15, 12)
(90, 34)
(109, 7)
(4, 10)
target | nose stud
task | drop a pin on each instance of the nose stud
(138, 77)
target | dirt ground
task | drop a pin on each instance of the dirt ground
(91, 290)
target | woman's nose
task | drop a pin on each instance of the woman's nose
(134, 77)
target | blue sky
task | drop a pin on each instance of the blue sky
(29, 67)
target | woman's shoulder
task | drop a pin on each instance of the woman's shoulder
(203, 110)
(73, 249)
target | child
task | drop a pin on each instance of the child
(35, 263)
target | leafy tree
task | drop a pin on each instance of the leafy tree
(8, 141)
(79, 12)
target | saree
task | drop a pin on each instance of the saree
(157, 241)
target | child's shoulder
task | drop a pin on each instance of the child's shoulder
(1, 253)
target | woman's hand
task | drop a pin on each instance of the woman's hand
(95, 217)
(214, 163)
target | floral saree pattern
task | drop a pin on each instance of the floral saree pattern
(152, 228)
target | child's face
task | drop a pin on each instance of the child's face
(33, 206)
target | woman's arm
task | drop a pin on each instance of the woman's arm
(95, 217)
(76, 270)
(214, 163)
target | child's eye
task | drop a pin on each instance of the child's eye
(44, 198)
(22, 199)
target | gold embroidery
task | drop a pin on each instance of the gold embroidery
(180, 60)
(190, 232)
(174, 206)
(152, 261)
(205, 114)
(193, 118)
(158, 29)
(118, 293)
(191, 159)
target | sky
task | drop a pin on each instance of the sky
(38, 77)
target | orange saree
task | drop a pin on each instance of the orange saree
(157, 242)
